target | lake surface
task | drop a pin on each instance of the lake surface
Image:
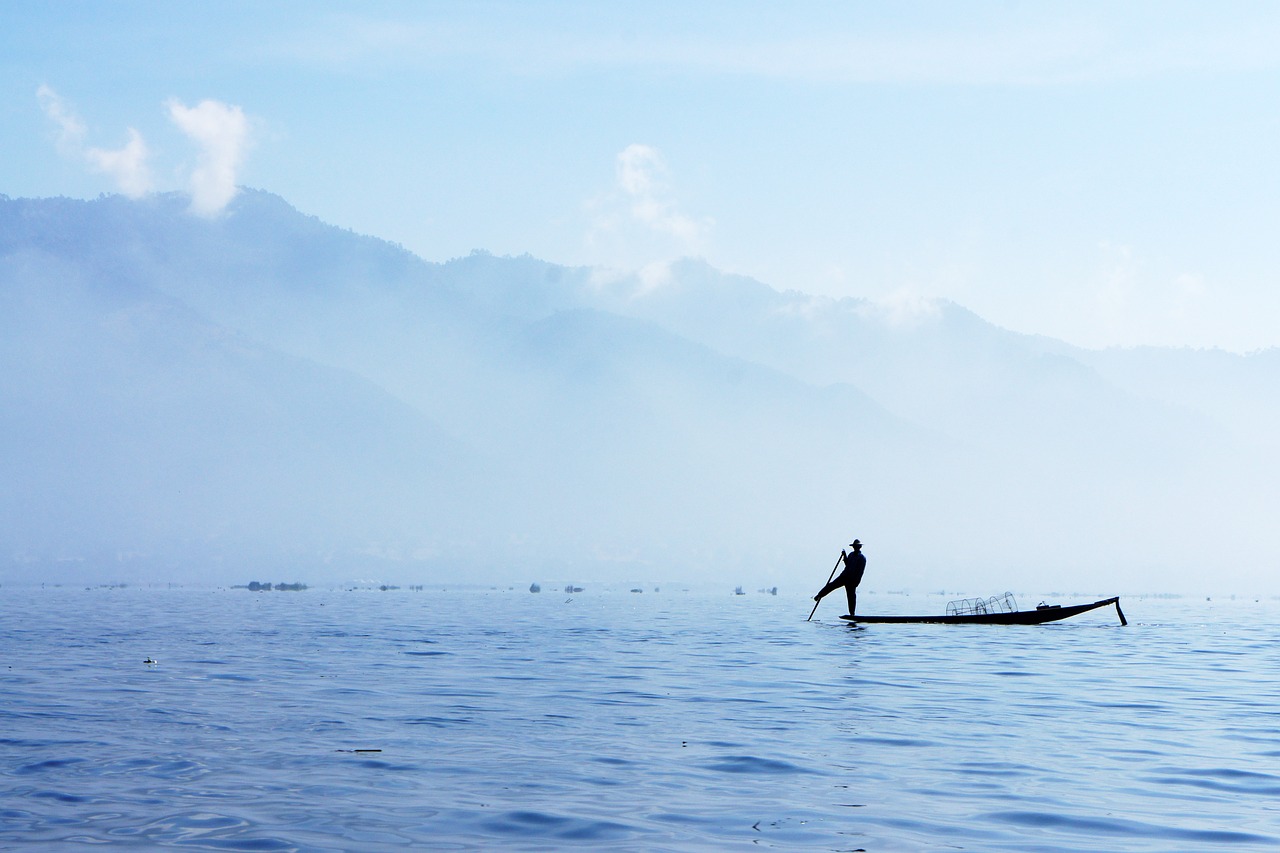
(656, 721)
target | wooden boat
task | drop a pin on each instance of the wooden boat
(1043, 613)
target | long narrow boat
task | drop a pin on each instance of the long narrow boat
(1043, 613)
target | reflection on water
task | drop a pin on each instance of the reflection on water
(330, 720)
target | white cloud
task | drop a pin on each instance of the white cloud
(638, 221)
(128, 166)
(903, 309)
(71, 129)
(637, 165)
(642, 177)
(653, 277)
(222, 132)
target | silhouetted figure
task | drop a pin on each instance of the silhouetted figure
(854, 565)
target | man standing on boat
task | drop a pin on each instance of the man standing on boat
(854, 565)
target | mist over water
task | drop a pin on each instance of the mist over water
(183, 396)
(679, 720)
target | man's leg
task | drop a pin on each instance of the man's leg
(852, 593)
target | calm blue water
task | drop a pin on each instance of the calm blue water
(669, 721)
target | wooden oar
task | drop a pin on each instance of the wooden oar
(829, 577)
(1120, 613)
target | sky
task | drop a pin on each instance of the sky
(1101, 173)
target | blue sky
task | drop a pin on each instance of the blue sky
(1103, 173)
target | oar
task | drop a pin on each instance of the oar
(833, 574)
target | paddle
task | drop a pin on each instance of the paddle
(833, 574)
(1120, 613)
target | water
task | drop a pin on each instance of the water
(668, 721)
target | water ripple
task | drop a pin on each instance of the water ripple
(1092, 826)
(671, 722)
(533, 824)
(753, 765)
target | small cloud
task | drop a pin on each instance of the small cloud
(222, 132)
(638, 220)
(642, 177)
(127, 166)
(638, 169)
(71, 129)
(653, 276)
(903, 309)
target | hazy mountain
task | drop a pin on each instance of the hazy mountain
(189, 397)
(132, 428)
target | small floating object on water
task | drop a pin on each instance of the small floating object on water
(149, 660)
(357, 750)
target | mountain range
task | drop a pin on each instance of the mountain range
(188, 398)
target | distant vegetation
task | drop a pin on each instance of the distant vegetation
(255, 586)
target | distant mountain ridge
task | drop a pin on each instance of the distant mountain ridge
(185, 396)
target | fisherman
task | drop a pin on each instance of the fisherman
(854, 565)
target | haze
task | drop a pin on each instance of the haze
(990, 287)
